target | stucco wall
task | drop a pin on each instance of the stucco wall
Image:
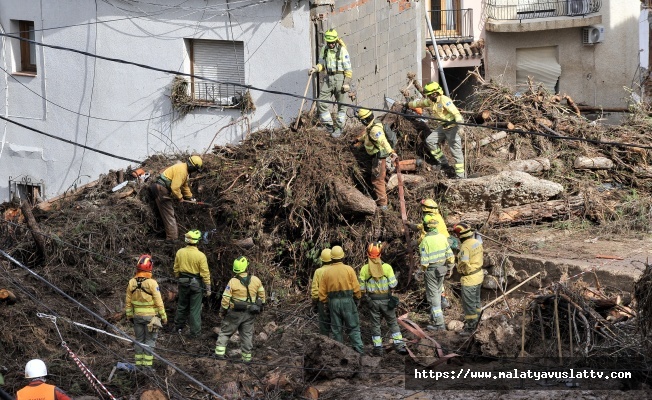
(384, 40)
(277, 52)
(591, 74)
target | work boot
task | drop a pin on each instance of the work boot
(330, 129)
(436, 328)
(337, 132)
(219, 356)
(445, 303)
(465, 333)
(378, 351)
(402, 350)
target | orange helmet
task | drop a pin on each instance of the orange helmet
(462, 230)
(145, 263)
(374, 249)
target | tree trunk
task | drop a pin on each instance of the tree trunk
(489, 139)
(26, 208)
(530, 166)
(407, 180)
(593, 163)
(352, 201)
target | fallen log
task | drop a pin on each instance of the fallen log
(507, 125)
(489, 139)
(352, 201)
(527, 213)
(47, 205)
(529, 166)
(407, 180)
(582, 162)
(26, 208)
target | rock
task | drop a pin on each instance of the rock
(329, 359)
(455, 326)
(270, 328)
(370, 362)
(262, 336)
(153, 394)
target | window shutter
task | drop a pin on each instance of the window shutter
(219, 60)
(540, 63)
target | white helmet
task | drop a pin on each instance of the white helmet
(35, 369)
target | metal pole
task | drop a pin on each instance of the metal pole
(434, 44)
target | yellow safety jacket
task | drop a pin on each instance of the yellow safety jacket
(442, 109)
(375, 140)
(144, 297)
(236, 291)
(469, 263)
(335, 61)
(316, 281)
(176, 179)
(339, 280)
(376, 286)
(435, 250)
(441, 226)
(189, 260)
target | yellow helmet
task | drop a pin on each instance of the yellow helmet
(462, 230)
(195, 161)
(431, 88)
(240, 265)
(193, 236)
(325, 255)
(337, 253)
(430, 222)
(429, 206)
(331, 36)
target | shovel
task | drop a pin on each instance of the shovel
(200, 203)
(401, 198)
(303, 101)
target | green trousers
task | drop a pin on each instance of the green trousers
(378, 310)
(144, 336)
(451, 135)
(472, 306)
(344, 314)
(189, 306)
(434, 279)
(243, 323)
(331, 89)
(324, 319)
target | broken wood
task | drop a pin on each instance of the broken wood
(608, 257)
(352, 201)
(510, 291)
(592, 163)
(245, 243)
(529, 166)
(47, 205)
(572, 104)
(412, 180)
(499, 124)
(26, 209)
(527, 213)
(490, 139)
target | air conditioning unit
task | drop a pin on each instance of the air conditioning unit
(577, 7)
(593, 34)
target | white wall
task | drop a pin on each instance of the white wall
(277, 55)
(644, 38)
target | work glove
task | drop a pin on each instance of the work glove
(346, 88)
(450, 270)
(154, 324)
(207, 293)
(312, 70)
(393, 156)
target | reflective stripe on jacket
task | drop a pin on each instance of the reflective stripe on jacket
(237, 291)
(338, 277)
(469, 264)
(375, 140)
(145, 301)
(371, 285)
(333, 64)
(190, 260)
(178, 177)
(316, 281)
(442, 109)
(434, 249)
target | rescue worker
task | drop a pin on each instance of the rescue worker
(447, 130)
(144, 307)
(191, 269)
(324, 317)
(242, 300)
(335, 62)
(338, 288)
(37, 388)
(469, 265)
(7, 296)
(430, 207)
(172, 185)
(437, 260)
(377, 280)
(378, 147)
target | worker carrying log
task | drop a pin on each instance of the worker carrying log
(324, 317)
(172, 185)
(437, 260)
(7, 297)
(335, 62)
(447, 129)
(36, 371)
(243, 299)
(194, 278)
(144, 307)
(376, 144)
(377, 280)
(338, 289)
(469, 265)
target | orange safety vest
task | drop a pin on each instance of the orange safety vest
(41, 391)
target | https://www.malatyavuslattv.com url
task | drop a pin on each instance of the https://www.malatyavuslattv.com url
(467, 373)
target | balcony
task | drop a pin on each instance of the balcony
(539, 15)
(451, 25)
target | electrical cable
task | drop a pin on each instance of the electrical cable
(250, 87)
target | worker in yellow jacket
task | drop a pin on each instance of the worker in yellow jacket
(144, 307)
(437, 260)
(339, 290)
(324, 317)
(469, 264)
(242, 300)
(172, 185)
(194, 280)
(377, 280)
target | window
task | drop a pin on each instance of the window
(27, 50)
(541, 64)
(26, 188)
(221, 60)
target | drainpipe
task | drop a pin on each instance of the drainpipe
(434, 44)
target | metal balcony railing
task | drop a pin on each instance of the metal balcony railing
(216, 94)
(452, 24)
(529, 9)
